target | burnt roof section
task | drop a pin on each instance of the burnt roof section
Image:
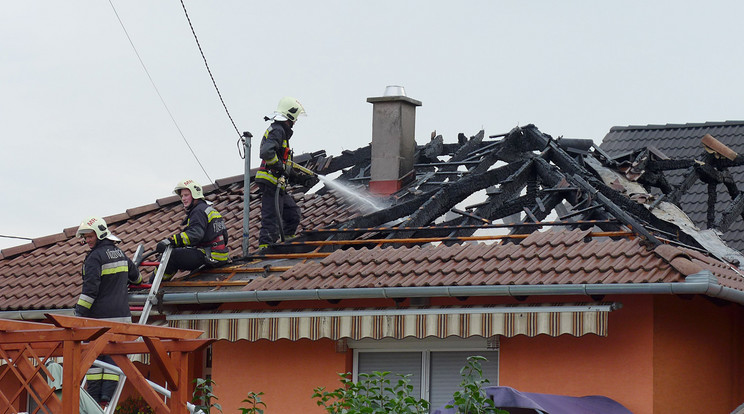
(683, 141)
(506, 189)
(525, 177)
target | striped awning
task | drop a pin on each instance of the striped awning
(378, 323)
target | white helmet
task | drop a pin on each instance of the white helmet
(289, 109)
(191, 185)
(97, 225)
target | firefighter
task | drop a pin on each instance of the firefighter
(107, 271)
(278, 209)
(204, 239)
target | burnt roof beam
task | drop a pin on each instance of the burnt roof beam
(553, 177)
(448, 197)
(729, 215)
(509, 189)
(616, 203)
(616, 211)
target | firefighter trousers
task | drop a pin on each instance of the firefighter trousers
(290, 214)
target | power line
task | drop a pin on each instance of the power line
(219, 94)
(209, 70)
(15, 237)
(158, 92)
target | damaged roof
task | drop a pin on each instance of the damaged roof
(683, 141)
(517, 213)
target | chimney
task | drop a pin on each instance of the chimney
(393, 140)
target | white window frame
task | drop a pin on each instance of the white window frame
(426, 347)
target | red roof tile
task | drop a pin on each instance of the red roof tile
(549, 258)
(45, 274)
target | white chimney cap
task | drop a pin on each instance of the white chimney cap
(395, 90)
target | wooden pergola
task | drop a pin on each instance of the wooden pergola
(26, 346)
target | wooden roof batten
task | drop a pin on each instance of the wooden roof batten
(26, 347)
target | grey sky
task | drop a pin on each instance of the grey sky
(84, 132)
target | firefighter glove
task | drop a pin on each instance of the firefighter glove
(280, 169)
(309, 180)
(163, 245)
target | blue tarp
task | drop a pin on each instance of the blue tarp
(507, 397)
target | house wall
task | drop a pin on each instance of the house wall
(698, 364)
(618, 366)
(285, 371)
(663, 354)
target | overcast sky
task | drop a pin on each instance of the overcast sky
(84, 131)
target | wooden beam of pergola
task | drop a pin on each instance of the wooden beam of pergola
(125, 328)
(52, 335)
(80, 341)
(116, 348)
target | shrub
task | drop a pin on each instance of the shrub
(472, 399)
(134, 406)
(203, 395)
(254, 402)
(373, 394)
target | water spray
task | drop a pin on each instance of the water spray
(340, 187)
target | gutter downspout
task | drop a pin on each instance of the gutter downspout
(701, 283)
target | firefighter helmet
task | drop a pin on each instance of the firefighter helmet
(191, 185)
(97, 225)
(289, 109)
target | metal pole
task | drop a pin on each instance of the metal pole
(246, 190)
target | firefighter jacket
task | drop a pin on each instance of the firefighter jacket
(107, 271)
(205, 229)
(274, 152)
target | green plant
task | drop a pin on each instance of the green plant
(373, 393)
(254, 401)
(203, 395)
(472, 399)
(134, 406)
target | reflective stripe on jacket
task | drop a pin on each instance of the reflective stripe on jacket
(107, 272)
(274, 149)
(205, 229)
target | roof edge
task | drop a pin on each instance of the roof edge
(703, 282)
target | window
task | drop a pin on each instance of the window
(434, 364)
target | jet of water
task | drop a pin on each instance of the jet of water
(353, 193)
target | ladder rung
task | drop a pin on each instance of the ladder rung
(150, 264)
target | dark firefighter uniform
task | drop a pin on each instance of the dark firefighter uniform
(274, 153)
(107, 272)
(202, 242)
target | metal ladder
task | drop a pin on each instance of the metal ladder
(145, 315)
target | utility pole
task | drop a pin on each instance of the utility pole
(246, 190)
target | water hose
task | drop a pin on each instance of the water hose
(276, 206)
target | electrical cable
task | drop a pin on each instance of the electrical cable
(15, 237)
(158, 92)
(219, 94)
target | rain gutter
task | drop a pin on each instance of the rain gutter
(701, 283)
(34, 315)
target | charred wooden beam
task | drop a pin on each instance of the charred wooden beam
(549, 203)
(616, 211)
(674, 196)
(508, 190)
(445, 199)
(712, 198)
(347, 159)
(736, 208)
(667, 165)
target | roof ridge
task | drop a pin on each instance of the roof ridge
(675, 126)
